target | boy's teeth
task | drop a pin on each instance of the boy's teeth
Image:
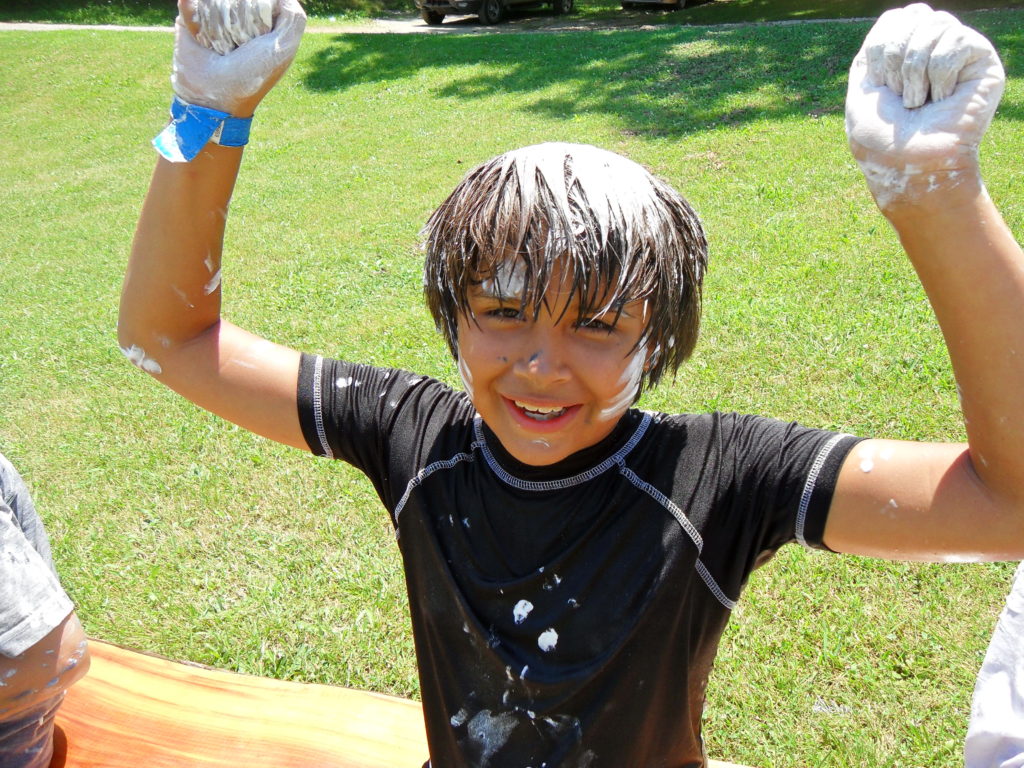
(537, 408)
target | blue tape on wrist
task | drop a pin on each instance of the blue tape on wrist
(192, 127)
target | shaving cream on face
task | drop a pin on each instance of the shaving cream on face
(467, 377)
(629, 383)
(223, 25)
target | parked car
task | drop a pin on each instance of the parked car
(489, 11)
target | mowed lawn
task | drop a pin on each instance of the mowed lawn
(179, 534)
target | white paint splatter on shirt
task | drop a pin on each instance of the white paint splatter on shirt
(521, 611)
(548, 640)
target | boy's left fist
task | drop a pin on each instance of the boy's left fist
(236, 80)
(922, 92)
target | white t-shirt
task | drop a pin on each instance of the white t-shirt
(995, 736)
(32, 601)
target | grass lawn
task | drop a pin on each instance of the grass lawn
(180, 534)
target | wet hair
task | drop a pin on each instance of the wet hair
(619, 233)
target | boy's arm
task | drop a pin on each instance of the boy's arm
(922, 92)
(170, 324)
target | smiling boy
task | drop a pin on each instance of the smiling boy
(571, 561)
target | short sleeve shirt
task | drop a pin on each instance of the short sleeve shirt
(995, 735)
(569, 615)
(32, 601)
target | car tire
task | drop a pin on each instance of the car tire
(562, 7)
(492, 12)
(433, 18)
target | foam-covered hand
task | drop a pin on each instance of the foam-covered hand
(922, 92)
(236, 80)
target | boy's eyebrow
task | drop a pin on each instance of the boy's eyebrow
(620, 310)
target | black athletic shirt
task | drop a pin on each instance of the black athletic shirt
(568, 615)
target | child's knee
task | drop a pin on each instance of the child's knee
(45, 671)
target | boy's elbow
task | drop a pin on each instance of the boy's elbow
(135, 353)
(138, 357)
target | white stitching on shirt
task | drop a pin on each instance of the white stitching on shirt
(318, 408)
(709, 580)
(666, 502)
(812, 479)
(616, 459)
(567, 482)
(687, 526)
(428, 470)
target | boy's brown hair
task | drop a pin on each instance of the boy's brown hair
(624, 236)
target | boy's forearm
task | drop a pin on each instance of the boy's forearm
(973, 272)
(171, 292)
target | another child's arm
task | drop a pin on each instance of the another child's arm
(170, 324)
(922, 92)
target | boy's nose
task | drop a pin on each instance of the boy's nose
(542, 363)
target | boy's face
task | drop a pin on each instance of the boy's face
(552, 386)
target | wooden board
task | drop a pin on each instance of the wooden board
(134, 710)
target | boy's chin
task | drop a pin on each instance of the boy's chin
(539, 453)
(540, 450)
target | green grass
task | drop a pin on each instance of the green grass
(179, 534)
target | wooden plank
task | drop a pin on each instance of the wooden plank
(135, 710)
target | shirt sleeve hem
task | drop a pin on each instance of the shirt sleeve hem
(34, 628)
(819, 489)
(310, 405)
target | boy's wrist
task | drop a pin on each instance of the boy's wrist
(919, 183)
(934, 197)
(192, 127)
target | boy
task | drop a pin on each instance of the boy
(572, 562)
(43, 649)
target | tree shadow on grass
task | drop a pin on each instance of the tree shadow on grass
(663, 82)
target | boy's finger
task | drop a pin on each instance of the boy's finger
(962, 55)
(947, 62)
(874, 46)
(249, 19)
(280, 44)
(900, 30)
(915, 69)
(885, 43)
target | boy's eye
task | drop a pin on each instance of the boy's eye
(594, 324)
(505, 313)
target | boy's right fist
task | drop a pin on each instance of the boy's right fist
(237, 79)
(922, 92)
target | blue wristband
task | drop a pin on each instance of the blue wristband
(192, 127)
